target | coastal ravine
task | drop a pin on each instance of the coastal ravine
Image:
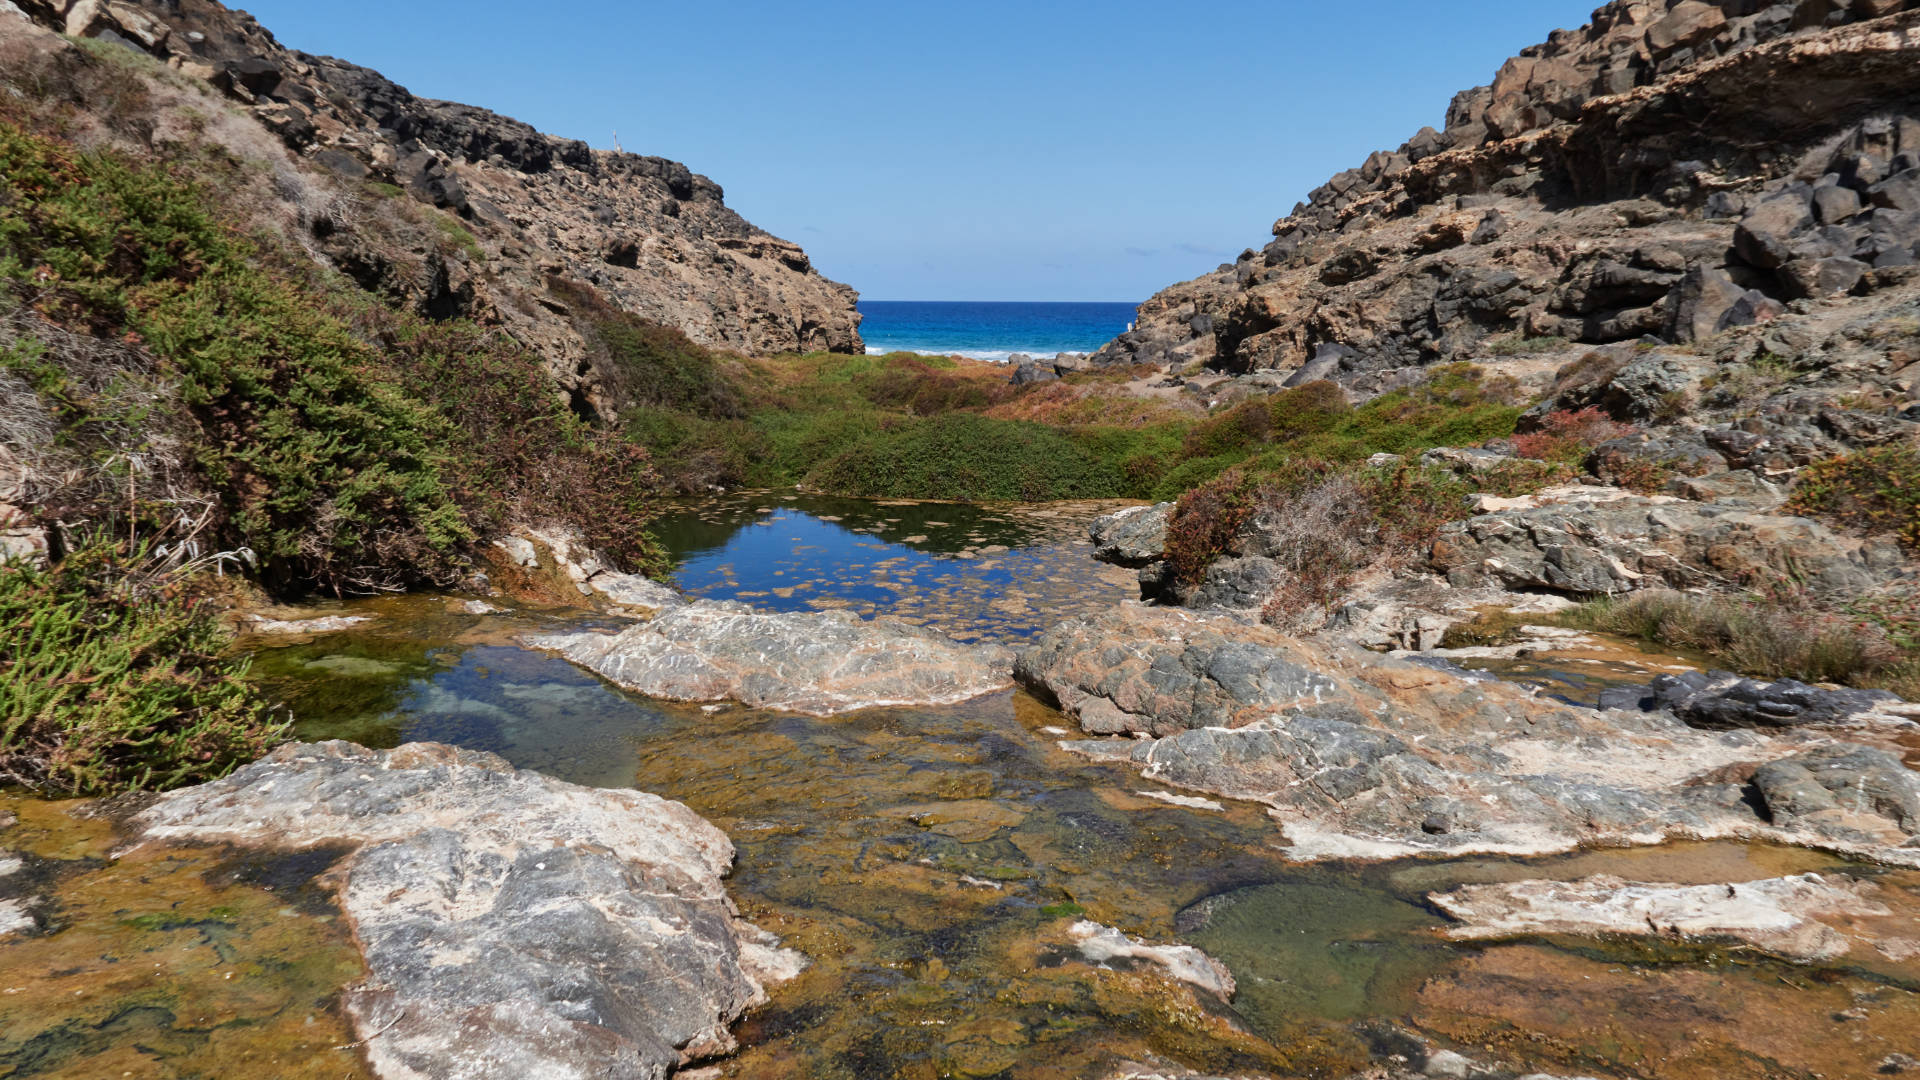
(933, 862)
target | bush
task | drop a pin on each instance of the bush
(1205, 523)
(348, 446)
(914, 385)
(1874, 491)
(970, 457)
(1323, 522)
(645, 363)
(1569, 435)
(323, 467)
(111, 680)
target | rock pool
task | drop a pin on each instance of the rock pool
(931, 861)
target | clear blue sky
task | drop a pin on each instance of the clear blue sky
(963, 151)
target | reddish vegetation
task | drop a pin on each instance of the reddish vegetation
(1569, 434)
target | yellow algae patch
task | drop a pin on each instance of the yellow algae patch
(170, 963)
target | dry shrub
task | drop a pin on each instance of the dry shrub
(1591, 369)
(1782, 636)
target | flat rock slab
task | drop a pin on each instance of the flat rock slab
(821, 663)
(512, 924)
(1780, 915)
(1364, 756)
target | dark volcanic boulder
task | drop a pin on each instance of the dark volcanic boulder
(1721, 699)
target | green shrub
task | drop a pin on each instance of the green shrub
(110, 681)
(1874, 491)
(1520, 345)
(348, 446)
(916, 386)
(324, 468)
(647, 363)
(965, 456)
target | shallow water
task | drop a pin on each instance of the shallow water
(972, 572)
(931, 860)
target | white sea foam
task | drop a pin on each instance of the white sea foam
(997, 356)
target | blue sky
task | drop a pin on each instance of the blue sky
(963, 151)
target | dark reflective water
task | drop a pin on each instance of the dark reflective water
(998, 573)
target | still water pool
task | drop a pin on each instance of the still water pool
(930, 860)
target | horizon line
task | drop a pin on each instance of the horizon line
(896, 300)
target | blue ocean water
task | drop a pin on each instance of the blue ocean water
(990, 331)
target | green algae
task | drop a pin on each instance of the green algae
(174, 963)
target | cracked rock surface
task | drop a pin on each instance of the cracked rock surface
(512, 924)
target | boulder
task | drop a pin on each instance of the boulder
(1898, 192)
(1699, 302)
(1765, 233)
(1834, 204)
(1721, 699)
(820, 663)
(1838, 785)
(1329, 359)
(1134, 537)
(1829, 276)
(1030, 371)
(512, 925)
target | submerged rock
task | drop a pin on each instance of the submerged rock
(821, 663)
(1780, 915)
(512, 924)
(1365, 756)
(325, 624)
(1104, 944)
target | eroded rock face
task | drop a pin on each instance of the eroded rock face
(1784, 916)
(813, 662)
(512, 924)
(653, 237)
(1617, 180)
(1365, 756)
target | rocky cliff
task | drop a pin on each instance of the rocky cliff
(527, 210)
(1672, 168)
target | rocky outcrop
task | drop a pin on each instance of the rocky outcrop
(1363, 756)
(512, 925)
(1595, 541)
(650, 235)
(1794, 917)
(821, 663)
(1134, 537)
(558, 560)
(1619, 180)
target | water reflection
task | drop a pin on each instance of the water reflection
(974, 573)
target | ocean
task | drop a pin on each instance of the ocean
(989, 331)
